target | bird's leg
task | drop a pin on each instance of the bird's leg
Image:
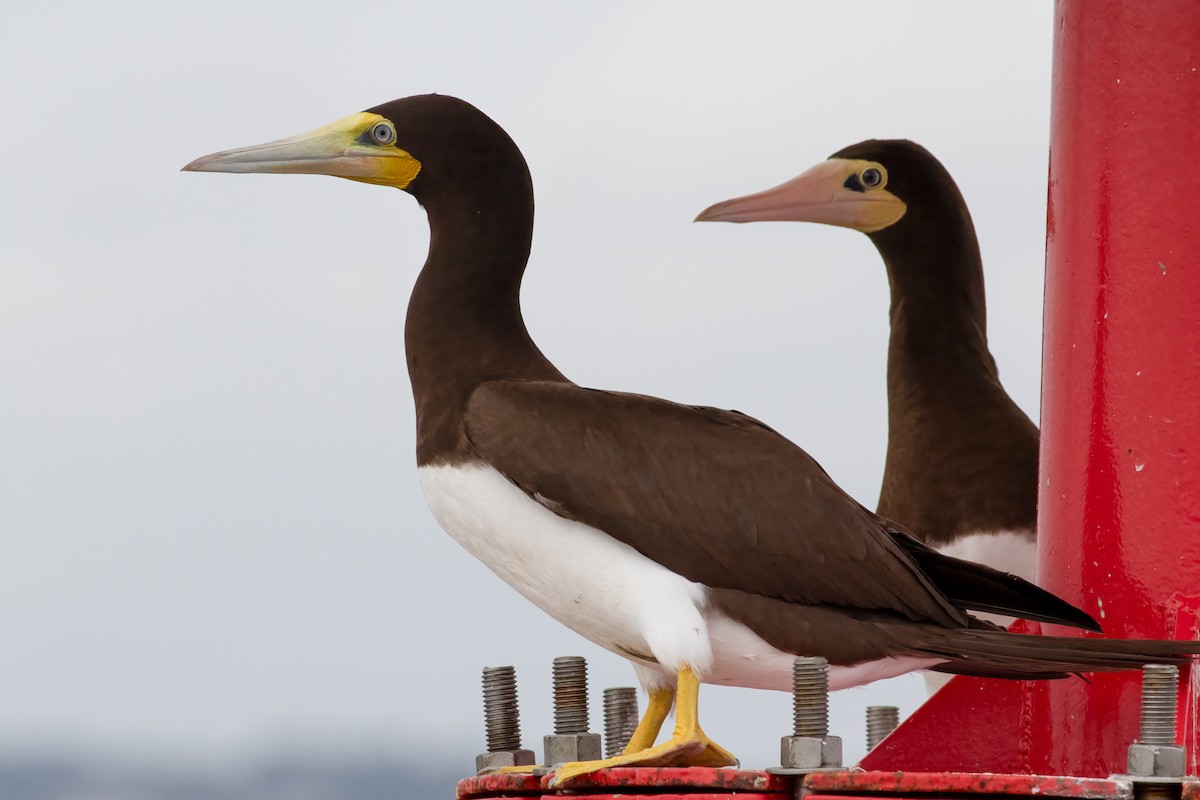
(643, 736)
(688, 746)
(651, 722)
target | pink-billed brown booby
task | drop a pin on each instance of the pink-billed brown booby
(696, 542)
(962, 458)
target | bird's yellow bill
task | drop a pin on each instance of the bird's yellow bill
(832, 193)
(361, 147)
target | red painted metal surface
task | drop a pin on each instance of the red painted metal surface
(875, 784)
(664, 783)
(1119, 500)
(700, 783)
(970, 725)
(1121, 371)
(498, 785)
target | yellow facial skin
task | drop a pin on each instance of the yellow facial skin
(361, 147)
(819, 195)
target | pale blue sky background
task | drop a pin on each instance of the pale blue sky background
(213, 540)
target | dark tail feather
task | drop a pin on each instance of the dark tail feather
(976, 587)
(979, 671)
(1001, 654)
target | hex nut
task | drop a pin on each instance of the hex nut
(492, 762)
(561, 748)
(1157, 760)
(809, 752)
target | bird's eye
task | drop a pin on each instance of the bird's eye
(871, 178)
(383, 133)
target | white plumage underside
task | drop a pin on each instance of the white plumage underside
(611, 594)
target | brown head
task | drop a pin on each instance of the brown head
(464, 320)
(435, 147)
(872, 186)
(898, 194)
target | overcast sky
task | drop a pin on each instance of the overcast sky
(213, 538)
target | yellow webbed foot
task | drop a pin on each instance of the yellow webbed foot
(689, 746)
(713, 755)
(695, 750)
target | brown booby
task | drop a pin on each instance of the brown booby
(962, 457)
(698, 543)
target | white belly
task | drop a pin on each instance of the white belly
(742, 658)
(608, 592)
(600, 588)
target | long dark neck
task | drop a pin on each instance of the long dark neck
(938, 311)
(464, 323)
(961, 457)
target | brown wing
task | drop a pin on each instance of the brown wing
(712, 495)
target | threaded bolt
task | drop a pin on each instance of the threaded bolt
(881, 720)
(1160, 689)
(570, 696)
(810, 697)
(501, 718)
(810, 747)
(620, 719)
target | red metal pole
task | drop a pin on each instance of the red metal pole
(1119, 499)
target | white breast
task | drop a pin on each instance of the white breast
(610, 593)
(1006, 551)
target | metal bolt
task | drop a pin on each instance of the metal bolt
(571, 740)
(881, 720)
(570, 695)
(1160, 689)
(501, 717)
(810, 747)
(502, 722)
(620, 719)
(1154, 759)
(810, 697)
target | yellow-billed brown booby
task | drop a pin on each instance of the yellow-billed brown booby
(962, 458)
(696, 542)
